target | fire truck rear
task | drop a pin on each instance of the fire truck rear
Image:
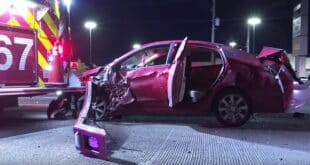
(36, 53)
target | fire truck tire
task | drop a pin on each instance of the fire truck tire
(55, 108)
(51, 108)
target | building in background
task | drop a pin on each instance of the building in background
(301, 44)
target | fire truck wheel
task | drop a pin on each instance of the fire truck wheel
(51, 109)
(54, 107)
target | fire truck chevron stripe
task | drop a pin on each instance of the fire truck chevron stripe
(41, 82)
(42, 61)
(41, 34)
(51, 25)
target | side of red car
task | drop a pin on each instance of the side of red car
(185, 77)
(192, 77)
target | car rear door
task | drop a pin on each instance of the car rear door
(176, 77)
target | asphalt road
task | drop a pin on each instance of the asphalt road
(29, 117)
(27, 137)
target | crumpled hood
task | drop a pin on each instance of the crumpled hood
(269, 51)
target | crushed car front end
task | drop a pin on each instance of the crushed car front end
(103, 95)
(90, 140)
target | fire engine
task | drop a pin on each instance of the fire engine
(36, 53)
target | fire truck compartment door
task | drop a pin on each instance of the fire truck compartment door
(18, 60)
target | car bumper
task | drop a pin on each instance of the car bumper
(90, 140)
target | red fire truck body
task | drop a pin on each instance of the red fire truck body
(35, 50)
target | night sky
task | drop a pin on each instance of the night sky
(124, 22)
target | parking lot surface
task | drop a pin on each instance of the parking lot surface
(266, 139)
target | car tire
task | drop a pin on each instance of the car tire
(232, 108)
(99, 109)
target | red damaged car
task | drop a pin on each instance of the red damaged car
(187, 77)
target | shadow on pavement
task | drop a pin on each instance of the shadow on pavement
(27, 119)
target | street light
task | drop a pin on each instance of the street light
(90, 25)
(253, 21)
(232, 44)
(136, 46)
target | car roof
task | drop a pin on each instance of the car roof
(240, 58)
(191, 42)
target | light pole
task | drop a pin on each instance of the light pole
(213, 21)
(68, 4)
(90, 25)
(253, 21)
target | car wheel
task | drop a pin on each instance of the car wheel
(99, 107)
(232, 108)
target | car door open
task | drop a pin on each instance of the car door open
(176, 77)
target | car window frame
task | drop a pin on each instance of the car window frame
(220, 52)
(144, 50)
(192, 48)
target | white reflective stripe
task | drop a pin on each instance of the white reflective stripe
(6, 52)
(23, 58)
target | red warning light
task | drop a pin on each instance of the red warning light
(74, 65)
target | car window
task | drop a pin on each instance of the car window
(201, 57)
(147, 57)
